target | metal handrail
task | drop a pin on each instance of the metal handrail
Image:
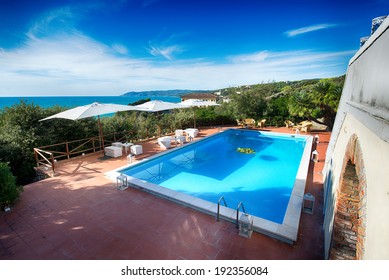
(237, 213)
(218, 207)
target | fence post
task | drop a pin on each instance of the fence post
(36, 157)
(67, 149)
(93, 144)
(52, 162)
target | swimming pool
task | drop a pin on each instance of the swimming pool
(199, 173)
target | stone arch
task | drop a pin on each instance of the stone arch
(349, 228)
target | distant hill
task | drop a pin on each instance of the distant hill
(270, 88)
(154, 93)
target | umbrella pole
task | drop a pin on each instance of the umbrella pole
(158, 125)
(194, 117)
(101, 133)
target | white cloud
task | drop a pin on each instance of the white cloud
(121, 49)
(77, 65)
(303, 30)
(165, 45)
(61, 19)
(166, 52)
(71, 63)
(255, 57)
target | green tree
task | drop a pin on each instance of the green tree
(182, 118)
(314, 101)
(327, 96)
(140, 101)
(21, 131)
(277, 110)
(248, 105)
(9, 190)
(300, 103)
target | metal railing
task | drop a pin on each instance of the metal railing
(237, 212)
(218, 207)
(240, 205)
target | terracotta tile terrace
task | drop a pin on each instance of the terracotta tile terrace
(80, 214)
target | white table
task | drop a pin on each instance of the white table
(126, 146)
(113, 151)
(180, 139)
(136, 149)
(192, 132)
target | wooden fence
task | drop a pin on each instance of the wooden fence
(47, 156)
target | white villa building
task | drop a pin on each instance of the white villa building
(356, 186)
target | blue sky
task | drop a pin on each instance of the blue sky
(65, 47)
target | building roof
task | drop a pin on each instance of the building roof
(197, 95)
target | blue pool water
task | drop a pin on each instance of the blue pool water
(211, 168)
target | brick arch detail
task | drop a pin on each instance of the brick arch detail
(349, 229)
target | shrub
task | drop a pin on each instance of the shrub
(9, 191)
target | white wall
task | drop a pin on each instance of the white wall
(364, 111)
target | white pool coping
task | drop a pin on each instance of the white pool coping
(287, 231)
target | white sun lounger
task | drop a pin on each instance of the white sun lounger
(165, 142)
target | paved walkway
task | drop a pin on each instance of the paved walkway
(79, 214)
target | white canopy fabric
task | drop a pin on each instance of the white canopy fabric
(91, 110)
(158, 105)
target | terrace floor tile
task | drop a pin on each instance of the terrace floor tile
(80, 214)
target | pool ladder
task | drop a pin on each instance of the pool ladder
(218, 207)
(240, 205)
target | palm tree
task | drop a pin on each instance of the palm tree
(317, 101)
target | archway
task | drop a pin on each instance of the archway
(350, 215)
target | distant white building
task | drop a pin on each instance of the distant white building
(199, 96)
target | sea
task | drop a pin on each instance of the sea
(74, 101)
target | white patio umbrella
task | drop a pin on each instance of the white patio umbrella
(159, 106)
(91, 110)
(197, 103)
